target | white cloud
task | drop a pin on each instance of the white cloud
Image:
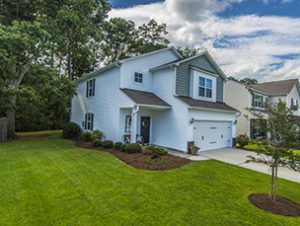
(246, 45)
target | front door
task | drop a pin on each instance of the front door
(145, 129)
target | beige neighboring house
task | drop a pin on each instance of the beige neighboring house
(243, 97)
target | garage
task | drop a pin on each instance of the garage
(212, 134)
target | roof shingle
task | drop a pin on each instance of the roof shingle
(146, 98)
(206, 104)
(276, 88)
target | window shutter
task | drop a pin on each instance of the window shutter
(94, 81)
(92, 121)
(87, 89)
(253, 99)
(85, 124)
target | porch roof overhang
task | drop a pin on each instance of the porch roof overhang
(146, 99)
(206, 105)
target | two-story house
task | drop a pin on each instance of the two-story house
(243, 98)
(158, 98)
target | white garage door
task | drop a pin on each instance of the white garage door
(212, 134)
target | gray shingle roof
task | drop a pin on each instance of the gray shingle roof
(145, 98)
(206, 104)
(275, 88)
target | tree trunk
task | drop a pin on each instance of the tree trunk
(272, 182)
(11, 122)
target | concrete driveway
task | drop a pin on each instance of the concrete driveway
(238, 157)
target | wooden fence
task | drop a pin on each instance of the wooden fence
(3, 129)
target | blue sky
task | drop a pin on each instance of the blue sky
(291, 9)
(248, 38)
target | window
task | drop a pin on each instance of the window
(205, 87)
(294, 104)
(258, 101)
(90, 88)
(128, 124)
(138, 77)
(89, 121)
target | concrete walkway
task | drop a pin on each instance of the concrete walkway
(238, 157)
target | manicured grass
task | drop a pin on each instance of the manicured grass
(254, 146)
(48, 181)
(38, 133)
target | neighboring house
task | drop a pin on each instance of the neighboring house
(158, 98)
(244, 97)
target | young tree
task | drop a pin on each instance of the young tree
(283, 135)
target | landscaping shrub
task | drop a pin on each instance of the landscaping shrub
(243, 140)
(107, 144)
(123, 148)
(97, 143)
(153, 150)
(97, 135)
(71, 130)
(118, 145)
(86, 136)
(133, 148)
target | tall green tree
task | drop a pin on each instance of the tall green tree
(43, 98)
(122, 39)
(188, 52)
(21, 43)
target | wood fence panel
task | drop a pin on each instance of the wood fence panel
(3, 129)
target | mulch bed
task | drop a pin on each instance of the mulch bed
(281, 206)
(20, 137)
(140, 161)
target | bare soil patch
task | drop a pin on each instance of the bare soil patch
(141, 160)
(282, 206)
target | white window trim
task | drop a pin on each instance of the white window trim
(142, 78)
(194, 91)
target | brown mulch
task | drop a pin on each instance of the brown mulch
(31, 137)
(282, 206)
(140, 161)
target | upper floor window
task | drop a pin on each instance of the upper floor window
(294, 104)
(205, 87)
(89, 121)
(138, 77)
(90, 88)
(258, 101)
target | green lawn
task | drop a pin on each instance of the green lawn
(254, 146)
(48, 181)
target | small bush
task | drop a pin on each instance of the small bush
(123, 148)
(97, 143)
(153, 150)
(86, 136)
(243, 140)
(71, 130)
(97, 135)
(118, 145)
(107, 144)
(133, 148)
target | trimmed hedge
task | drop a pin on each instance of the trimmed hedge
(97, 143)
(71, 131)
(107, 144)
(153, 150)
(97, 135)
(133, 148)
(86, 136)
(118, 145)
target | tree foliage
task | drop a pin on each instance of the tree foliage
(122, 39)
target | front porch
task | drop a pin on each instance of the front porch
(137, 124)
